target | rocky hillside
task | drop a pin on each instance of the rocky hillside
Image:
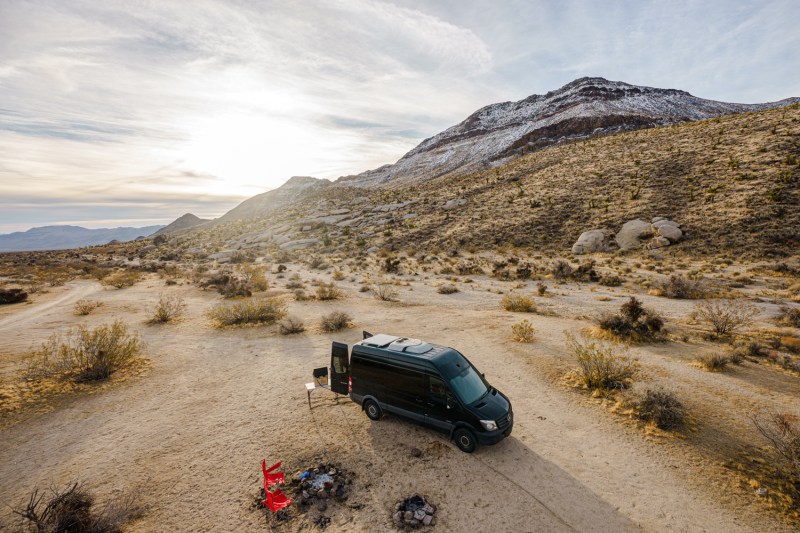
(585, 107)
(271, 201)
(731, 183)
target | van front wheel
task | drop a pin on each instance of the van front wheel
(465, 440)
(373, 410)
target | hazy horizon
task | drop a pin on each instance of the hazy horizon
(114, 116)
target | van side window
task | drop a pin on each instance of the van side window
(437, 390)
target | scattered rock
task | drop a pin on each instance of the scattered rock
(590, 241)
(414, 512)
(12, 296)
(298, 244)
(631, 234)
(455, 203)
(659, 242)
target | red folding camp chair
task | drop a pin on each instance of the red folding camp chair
(277, 501)
(271, 478)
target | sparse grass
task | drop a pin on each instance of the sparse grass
(85, 354)
(713, 362)
(601, 366)
(251, 311)
(385, 292)
(518, 303)
(83, 307)
(726, 316)
(335, 321)
(523, 332)
(121, 279)
(72, 510)
(329, 291)
(447, 289)
(660, 407)
(168, 308)
(291, 325)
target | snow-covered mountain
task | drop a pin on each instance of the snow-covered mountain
(582, 108)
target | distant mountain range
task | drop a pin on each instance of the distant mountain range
(66, 237)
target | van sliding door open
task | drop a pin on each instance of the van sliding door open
(340, 368)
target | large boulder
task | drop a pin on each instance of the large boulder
(455, 203)
(632, 233)
(590, 241)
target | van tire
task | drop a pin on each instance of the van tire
(465, 440)
(373, 410)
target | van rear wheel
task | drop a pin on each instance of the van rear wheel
(465, 440)
(373, 410)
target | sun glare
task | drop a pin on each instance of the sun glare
(245, 152)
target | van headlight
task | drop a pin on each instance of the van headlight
(489, 425)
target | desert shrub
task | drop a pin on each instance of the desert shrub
(72, 510)
(385, 292)
(121, 279)
(12, 296)
(726, 316)
(633, 322)
(328, 291)
(254, 278)
(317, 263)
(518, 303)
(585, 272)
(523, 331)
(168, 308)
(782, 430)
(86, 354)
(660, 407)
(791, 344)
(291, 325)
(561, 269)
(83, 307)
(338, 275)
(391, 265)
(335, 321)
(228, 285)
(468, 268)
(252, 311)
(789, 316)
(541, 289)
(681, 287)
(601, 366)
(713, 362)
(447, 289)
(364, 288)
(610, 281)
(301, 296)
(295, 282)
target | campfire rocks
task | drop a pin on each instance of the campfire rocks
(318, 485)
(414, 512)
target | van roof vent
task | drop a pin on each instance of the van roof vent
(379, 341)
(414, 346)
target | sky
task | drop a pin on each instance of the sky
(131, 113)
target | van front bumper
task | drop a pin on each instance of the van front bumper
(493, 437)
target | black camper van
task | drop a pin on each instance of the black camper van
(431, 385)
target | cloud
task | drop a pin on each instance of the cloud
(226, 99)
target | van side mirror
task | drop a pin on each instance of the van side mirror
(451, 402)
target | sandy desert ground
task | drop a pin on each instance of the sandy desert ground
(189, 432)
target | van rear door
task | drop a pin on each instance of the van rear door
(340, 368)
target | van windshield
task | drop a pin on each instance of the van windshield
(463, 379)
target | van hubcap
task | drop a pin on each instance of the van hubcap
(464, 440)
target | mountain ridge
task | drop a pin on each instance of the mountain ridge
(63, 237)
